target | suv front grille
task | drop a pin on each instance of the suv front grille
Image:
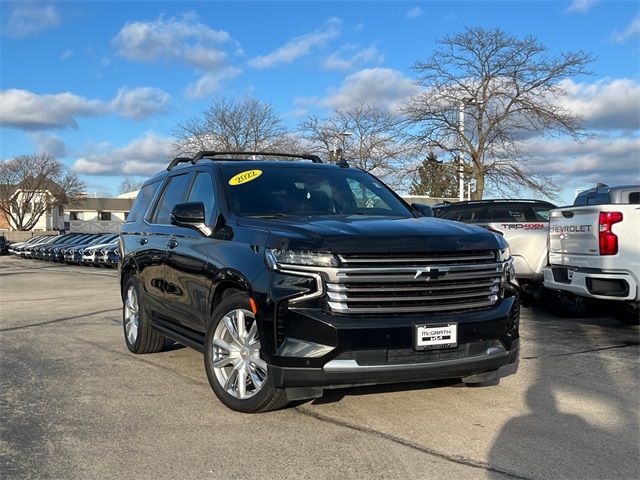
(437, 282)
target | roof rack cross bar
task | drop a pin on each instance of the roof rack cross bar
(209, 154)
(177, 161)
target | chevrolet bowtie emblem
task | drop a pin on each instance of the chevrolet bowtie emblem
(431, 273)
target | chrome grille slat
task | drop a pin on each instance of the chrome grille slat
(430, 298)
(341, 287)
(411, 278)
(418, 260)
(392, 284)
(342, 308)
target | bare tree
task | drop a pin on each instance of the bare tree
(249, 125)
(31, 185)
(129, 185)
(507, 89)
(370, 138)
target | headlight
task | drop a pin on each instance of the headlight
(504, 254)
(293, 257)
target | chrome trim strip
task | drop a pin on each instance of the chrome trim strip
(342, 298)
(351, 366)
(337, 287)
(417, 260)
(342, 308)
(308, 296)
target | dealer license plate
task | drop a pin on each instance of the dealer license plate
(435, 337)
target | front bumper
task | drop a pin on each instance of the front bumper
(591, 282)
(323, 350)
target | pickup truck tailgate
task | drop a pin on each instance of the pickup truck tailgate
(574, 231)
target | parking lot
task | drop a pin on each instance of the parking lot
(77, 404)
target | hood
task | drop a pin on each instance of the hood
(374, 235)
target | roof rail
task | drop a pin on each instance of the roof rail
(206, 154)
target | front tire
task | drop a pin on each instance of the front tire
(139, 336)
(236, 372)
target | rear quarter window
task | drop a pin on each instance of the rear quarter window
(143, 200)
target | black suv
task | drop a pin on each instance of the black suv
(295, 276)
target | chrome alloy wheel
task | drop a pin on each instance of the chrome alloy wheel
(131, 315)
(236, 355)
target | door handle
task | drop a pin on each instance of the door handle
(143, 240)
(172, 243)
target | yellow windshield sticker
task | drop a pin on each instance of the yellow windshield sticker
(244, 177)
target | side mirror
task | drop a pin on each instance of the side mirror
(190, 215)
(424, 210)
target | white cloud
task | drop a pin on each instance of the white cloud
(377, 87)
(611, 160)
(143, 156)
(606, 104)
(68, 53)
(210, 82)
(30, 111)
(298, 47)
(348, 58)
(581, 6)
(29, 18)
(174, 40)
(51, 144)
(632, 30)
(140, 102)
(415, 12)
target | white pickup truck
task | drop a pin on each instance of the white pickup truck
(594, 252)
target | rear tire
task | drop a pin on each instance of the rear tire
(236, 372)
(627, 312)
(139, 336)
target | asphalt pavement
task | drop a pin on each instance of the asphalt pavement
(75, 404)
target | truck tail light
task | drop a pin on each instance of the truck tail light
(608, 239)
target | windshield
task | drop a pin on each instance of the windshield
(300, 191)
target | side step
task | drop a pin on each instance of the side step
(180, 334)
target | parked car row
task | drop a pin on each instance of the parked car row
(569, 256)
(99, 249)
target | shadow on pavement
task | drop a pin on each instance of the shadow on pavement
(590, 375)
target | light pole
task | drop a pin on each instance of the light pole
(461, 106)
(339, 149)
(461, 156)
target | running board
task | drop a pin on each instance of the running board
(180, 334)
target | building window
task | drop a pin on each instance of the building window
(126, 215)
(74, 216)
(60, 210)
(105, 216)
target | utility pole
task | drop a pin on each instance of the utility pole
(461, 106)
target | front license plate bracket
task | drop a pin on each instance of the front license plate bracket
(435, 336)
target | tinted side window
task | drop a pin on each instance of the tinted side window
(174, 193)
(598, 199)
(145, 195)
(634, 198)
(202, 191)
(464, 214)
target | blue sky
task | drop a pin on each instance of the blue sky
(102, 84)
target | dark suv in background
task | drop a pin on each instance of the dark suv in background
(295, 276)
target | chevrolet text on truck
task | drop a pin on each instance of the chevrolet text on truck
(594, 251)
(296, 276)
